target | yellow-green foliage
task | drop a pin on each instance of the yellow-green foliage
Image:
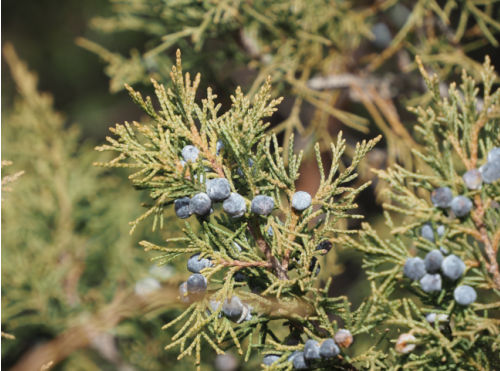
(69, 264)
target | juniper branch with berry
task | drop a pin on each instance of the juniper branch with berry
(258, 242)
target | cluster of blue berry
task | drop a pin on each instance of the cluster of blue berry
(234, 204)
(461, 205)
(427, 272)
(315, 352)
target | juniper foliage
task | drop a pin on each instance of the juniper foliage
(329, 55)
(279, 268)
(457, 133)
(69, 266)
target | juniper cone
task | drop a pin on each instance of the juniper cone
(299, 362)
(190, 153)
(464, 295)
(311, 350)
(270, 231)
(405, 343)
(269, 359)
(440, 230)
(329, 349)
(414, 268)
(441, 197)
(427, 232)
(234, 205)
(490, 172)
(452, 267)
(301, 200)
(161, 273)
(240, 277)
(250, 164)
(218, 189)
(146, 286)
(195, 264)
(181, 206)
(233, 308)
(196, 283)
(200, 204)
(214, 305)
(433, 261)
(343, 338)
(324, 245)
(431, 283)
(433, 317)
(382, 35)
(461, 205)
(473, 179)
(262, 205)
(494, 155)
(218, 147)
(183, 293)
(226, 362)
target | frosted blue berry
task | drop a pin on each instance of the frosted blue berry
(146, 286)
(427, 232)
(200, 204)
(190, 153)
(262, 205)
(240, 277)
(434, 317)
(494, 155)
(441, 197)
(218, 189)
(195, 264)
(431, 283)
(196, 283)
(233, 308)
(234, 205)
(473, 179)
(311, 350)
(269, 359)
(161, 273)
(270, 231)
(218, 147)
(250, 164)
(440, 230)
(382, 35)
(461, 205)
(325, 246)
(414, 268)
(490, 172)
(183, 293)
(181, 206)
(443, 250)
(214, 305)
(329, 349)
(343, 338)
(226, 362)
(465, 295)
(299, 362)
(301, 200)
(452, 267)
(433, 261)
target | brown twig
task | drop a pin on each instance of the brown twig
(490, 249)
(124, 305)
(266, 250)
(242, 264)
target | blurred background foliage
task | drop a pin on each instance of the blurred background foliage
(69, 265)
